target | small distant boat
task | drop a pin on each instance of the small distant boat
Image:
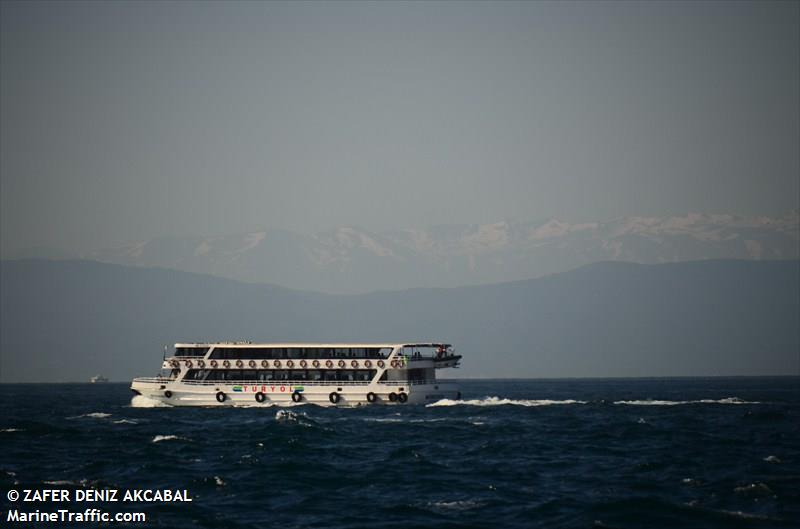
(98, 379)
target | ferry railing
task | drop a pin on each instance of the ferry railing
(153, 380)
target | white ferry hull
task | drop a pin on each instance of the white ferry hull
(178, 394)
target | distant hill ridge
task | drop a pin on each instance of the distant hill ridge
(67, 320)
(355, 260)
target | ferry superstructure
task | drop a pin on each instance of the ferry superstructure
(336, 374)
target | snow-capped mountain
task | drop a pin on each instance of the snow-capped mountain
(351, 259)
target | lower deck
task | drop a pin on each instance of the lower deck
(281, 393)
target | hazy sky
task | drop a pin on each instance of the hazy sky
(128, 120)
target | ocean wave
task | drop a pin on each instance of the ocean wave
(93, 415)
(159, 438)
(408, 420)
(650, 402)
(140, 401)
(459, 505)
(125, 421)
(754, 489)
(290, 416)
(10, 430)
(497, 401)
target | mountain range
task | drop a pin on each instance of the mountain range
(65, 320)
(355, 260)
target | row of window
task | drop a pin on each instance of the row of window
(267, 353)
(191, 351)
(265, 375)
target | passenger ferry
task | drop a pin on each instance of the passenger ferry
(339, 374)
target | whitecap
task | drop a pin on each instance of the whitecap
(159, 438)
(285, 415)
(140, 401)
(93, 415)
(772, 459)
(459, 505)
(10, 430)
(219, 481)
(125, 421)
(652, 402)
(60, 482)
(497, 401)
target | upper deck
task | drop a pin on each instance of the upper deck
(301, 345)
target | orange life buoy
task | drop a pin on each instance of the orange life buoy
(290, 364)
(201, 364)
(239, 363)
(367, 363)
(252, 363)
(226, 363)
(303, 364)
(329, 363)
(315, 363)
(264, 364)
(354, 364)
(342, 363)
(213, 363)
(277, 363)
(381, 364)
(188, 363)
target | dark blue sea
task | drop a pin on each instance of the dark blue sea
(625, 453)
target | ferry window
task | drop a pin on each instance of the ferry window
(256, 353)
(280, 375)
(314, 375)
(234, 375)
(191, 351)
(222, 353)
(195, 374)
(265, 375)
(297, 375)
(249, 375)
